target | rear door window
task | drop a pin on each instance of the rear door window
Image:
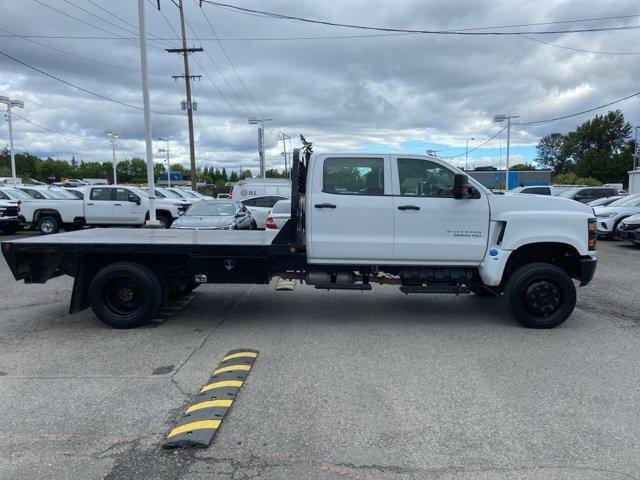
(353, 176)
(100, 194)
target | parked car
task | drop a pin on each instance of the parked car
(587, 194)
(215, 215)
(534, 190)
(629, 229)
(47, 192)
(77, 192)
(260, 187)
(9, 221)
(261, 206)
(280, 213)
(610, 216)
(603, 202)
(223, 195)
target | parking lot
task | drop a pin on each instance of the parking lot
(367, 385)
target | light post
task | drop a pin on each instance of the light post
(167, 151)
(11, 103)
(153, 221)
(260, 121)
(636, 152)
(500, 119)
(113, 136)
(466, 153)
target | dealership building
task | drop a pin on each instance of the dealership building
(492, 178)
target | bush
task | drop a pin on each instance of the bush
(573, 179)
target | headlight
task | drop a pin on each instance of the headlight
(607, 215)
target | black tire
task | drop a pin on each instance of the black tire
(481, 291)
(540, 295)
(48, 225)
(253, 226)
(125, 294)
(165, 220)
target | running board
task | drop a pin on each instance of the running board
(343, 286)
(457, 289)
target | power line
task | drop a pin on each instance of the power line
(72, 137)
(87, 59)
(95, 94)
(477, 147)
(63, 135)
(549, 120)
(408, 30)
(224, 78)
(577, 49)
(224, 50)
(82, 21)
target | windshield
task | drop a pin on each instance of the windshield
(61, 194)
(168, 193)
(19, 194)
(628, 201)
(282, 207)
(187, 193)
(211, 209)
(568, 193)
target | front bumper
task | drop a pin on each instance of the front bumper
(629, 235)
(587, 269)
(604, 227)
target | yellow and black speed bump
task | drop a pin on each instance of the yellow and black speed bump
(202, 419)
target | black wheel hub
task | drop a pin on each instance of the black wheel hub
(123, 296)
(542, 298)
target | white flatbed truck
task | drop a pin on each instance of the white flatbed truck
(356, 220)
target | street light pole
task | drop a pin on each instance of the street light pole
(466, 153)
(500, 119)
(11, 103)
(260, 121)
(152, 222)
(113, 136)
(636, 153)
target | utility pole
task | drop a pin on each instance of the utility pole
(168, 152)
(189, 106)
(284, 139)
(636, 153)
(11, 103)
(260, 121)
(113, 136)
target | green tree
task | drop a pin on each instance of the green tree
(234, 176)
(601, 148)
(57, 169)
(246, 174)
(553, 153)
(522, 167)
(573, 179)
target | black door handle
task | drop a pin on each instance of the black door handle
(324, 205)
(408, 207)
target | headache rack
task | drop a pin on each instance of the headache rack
(298, 192)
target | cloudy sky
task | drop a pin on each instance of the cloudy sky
(344, 89)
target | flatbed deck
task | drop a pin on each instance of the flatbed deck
(150, 240)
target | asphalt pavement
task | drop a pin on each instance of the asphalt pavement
(347, 385)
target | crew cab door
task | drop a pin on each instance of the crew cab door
(349, 214)
(431, 227)
(126, 212)
(98, 206)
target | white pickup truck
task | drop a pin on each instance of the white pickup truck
(102, 206)
(356, 220)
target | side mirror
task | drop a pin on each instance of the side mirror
(133, 198)
(461, 188)
(241, 214)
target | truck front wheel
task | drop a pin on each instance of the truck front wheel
(125, 294)
(540, 295)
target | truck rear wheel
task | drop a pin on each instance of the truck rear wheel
(125, 294)
(48, 224)
(540, 295)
